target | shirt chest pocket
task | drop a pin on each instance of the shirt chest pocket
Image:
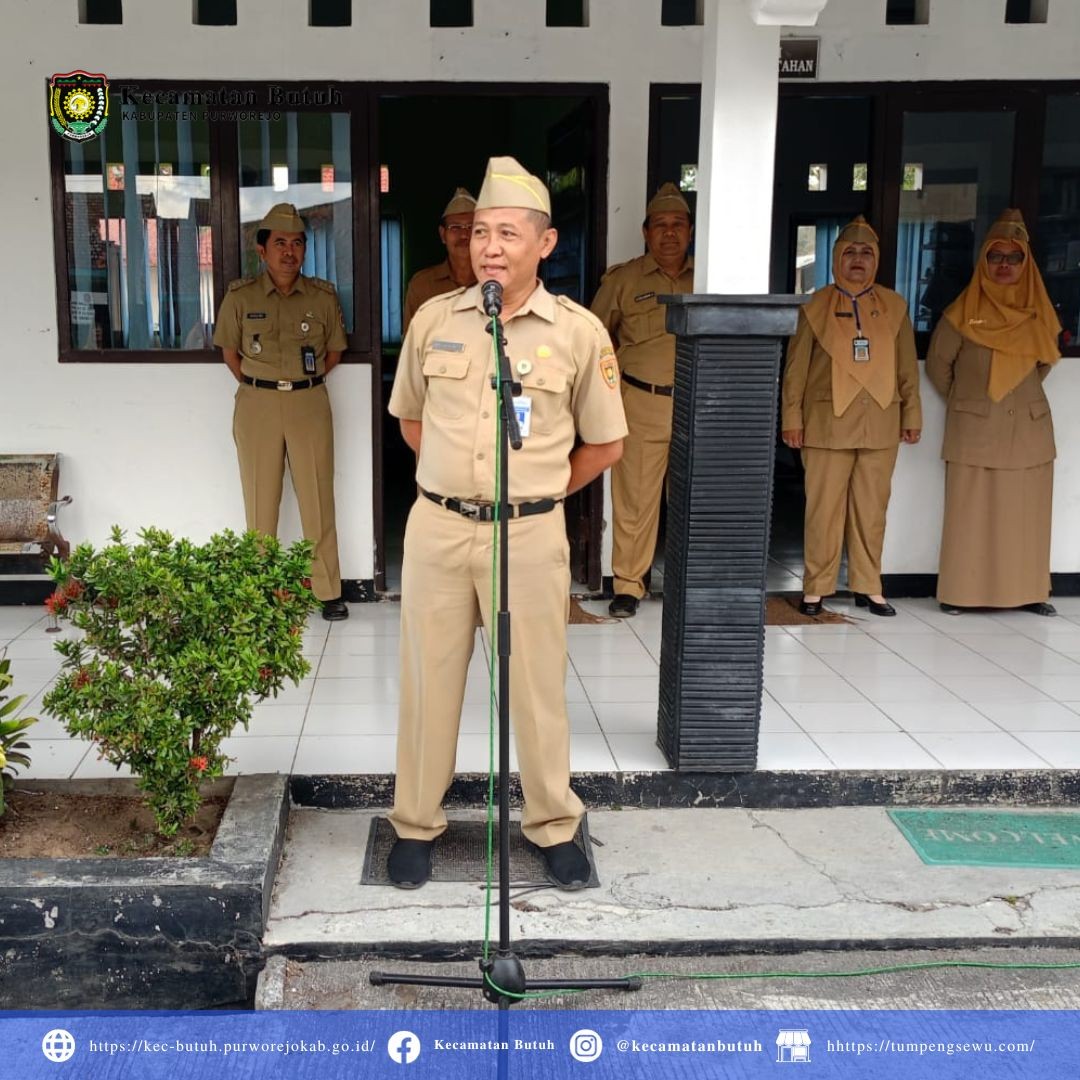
(547, 389)
(310, 330)
(447, 385)
(258, 337)
(646, 322)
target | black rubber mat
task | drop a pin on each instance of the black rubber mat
(460, 854)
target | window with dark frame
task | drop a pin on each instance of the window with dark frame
(1026, 11)
(907, 12)
(450, 13)
(567, 13)
(214, 12)
(681, 13)
(330, 13)
(101, 12)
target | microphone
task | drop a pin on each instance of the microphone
(491, 291)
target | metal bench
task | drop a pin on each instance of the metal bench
(28, 506)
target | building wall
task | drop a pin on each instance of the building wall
(152, 444)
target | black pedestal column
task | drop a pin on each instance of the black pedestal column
(723, 441)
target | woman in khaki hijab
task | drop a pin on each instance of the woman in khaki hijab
(850, 394)
(988, 356)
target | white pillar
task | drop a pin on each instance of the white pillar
(739, 94)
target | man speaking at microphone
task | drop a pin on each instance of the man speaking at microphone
(447, 407)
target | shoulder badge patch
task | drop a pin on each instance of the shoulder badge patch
(239, 283)
(319, 283)
(609, 367)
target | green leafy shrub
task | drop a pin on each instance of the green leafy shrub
(11, 730)
(179, 641)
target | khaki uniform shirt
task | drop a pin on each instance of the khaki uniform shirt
(270, 329)
(423, 285)
(808, 401)
(1016, 432)
(558, 351)
(626, 304)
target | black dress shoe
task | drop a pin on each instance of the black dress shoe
(624, 606)
(567, 866)
(1041, 608)
(812, 608)
(862, 600)
(951, 609)
(409, 863)
(335, 610)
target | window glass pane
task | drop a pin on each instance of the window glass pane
(302, 159)
(101, 12)
(392, 299)
(957, 179)
(330, 13)
(215, 12)
(1058, 229)
(140, 272)
(566, 13)
(680, 13)
(451, 13)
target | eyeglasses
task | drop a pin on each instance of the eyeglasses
(996, 258)
(458, 228)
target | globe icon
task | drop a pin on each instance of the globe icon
(58, 1045)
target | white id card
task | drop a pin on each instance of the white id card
(523, 409)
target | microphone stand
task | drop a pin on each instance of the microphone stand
(502, 980)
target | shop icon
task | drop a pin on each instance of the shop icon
(793, 1046)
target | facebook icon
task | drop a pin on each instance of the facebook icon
(403, 1047)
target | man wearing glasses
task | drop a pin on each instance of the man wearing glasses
(455, 271)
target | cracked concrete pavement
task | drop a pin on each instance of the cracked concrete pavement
(677, 881)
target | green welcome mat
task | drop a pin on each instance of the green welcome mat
(992, 837)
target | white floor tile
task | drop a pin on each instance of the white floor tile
(1000, 688)
(774, 717)
(1060, 749)
(93, 767)
(334, 755)
(606, 689)
(938, 717)
(919, 688)
(1006, 644)
(782, 643)
(606, 644)
(1042, 661)
(273, 720)
(875, 750)
(269, 754)
(1031, 716)
(360, 645)
(849, 717)
(1059, 687)
(351, 666)
(796, 663)
(829, 688)
(626, 718)
(980, 750)
(356, 691)
(474, 754)
(615, 664)
(954, 662)
(373, 718)
(637, 753)
(591, 753)
(52, 759)
(843, 644)
(787, 751)
(877, 664)
(294, 693)
(22, 649)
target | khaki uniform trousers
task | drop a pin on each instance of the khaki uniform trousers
(271, 427)
(637, 480)
(847, 494)
(446, 582)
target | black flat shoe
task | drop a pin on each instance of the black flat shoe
(1041, 609)
(624, 606)
(567, 866)
(862, 600)
(951, 609)
(333, 610)
(812, 608)
(409, 863)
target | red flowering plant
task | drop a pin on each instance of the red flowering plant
(176, 643)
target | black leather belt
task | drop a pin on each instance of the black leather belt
(284, 384)
(484, 511)
(663, 391)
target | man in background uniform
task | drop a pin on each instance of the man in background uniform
(280, 334)
(448, 412)
(626, 304)
(455, 270)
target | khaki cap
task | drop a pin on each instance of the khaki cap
(858, 231)
(460, 203)
(506, 183)
(282, 218)
(1009, 226)
(668, 199)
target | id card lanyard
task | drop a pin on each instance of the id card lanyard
(860, 344)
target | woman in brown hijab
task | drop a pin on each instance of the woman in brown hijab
(988, 356)
(850, 394)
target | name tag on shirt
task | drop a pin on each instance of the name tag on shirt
(448, 346)
(523, 411)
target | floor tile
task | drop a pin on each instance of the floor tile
(999, 644)
(592, 753)
(474, 754)
(355, 667)
(615, 664)
(626, 718)
(606, 689)
(976, 689)
(875, 750)
(843, 644)
(94, 767)
(637, 753)
(980, 750)
(955, 662)
(22, 649)
(900, 688)
(1059, 687)
(260, 754)
(606, 644)
(774, 717)
(1037, 662)
(52, 759)
(294, 693)
(334, 755)
(830, 688)
(1031, 716)
(356, 691)
(851, 717)
(273, 720)
(796, 663)
(1060, 749)
(878, 664)
(787, 751)
(371, 718)
(938, 717)
(358, 645)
